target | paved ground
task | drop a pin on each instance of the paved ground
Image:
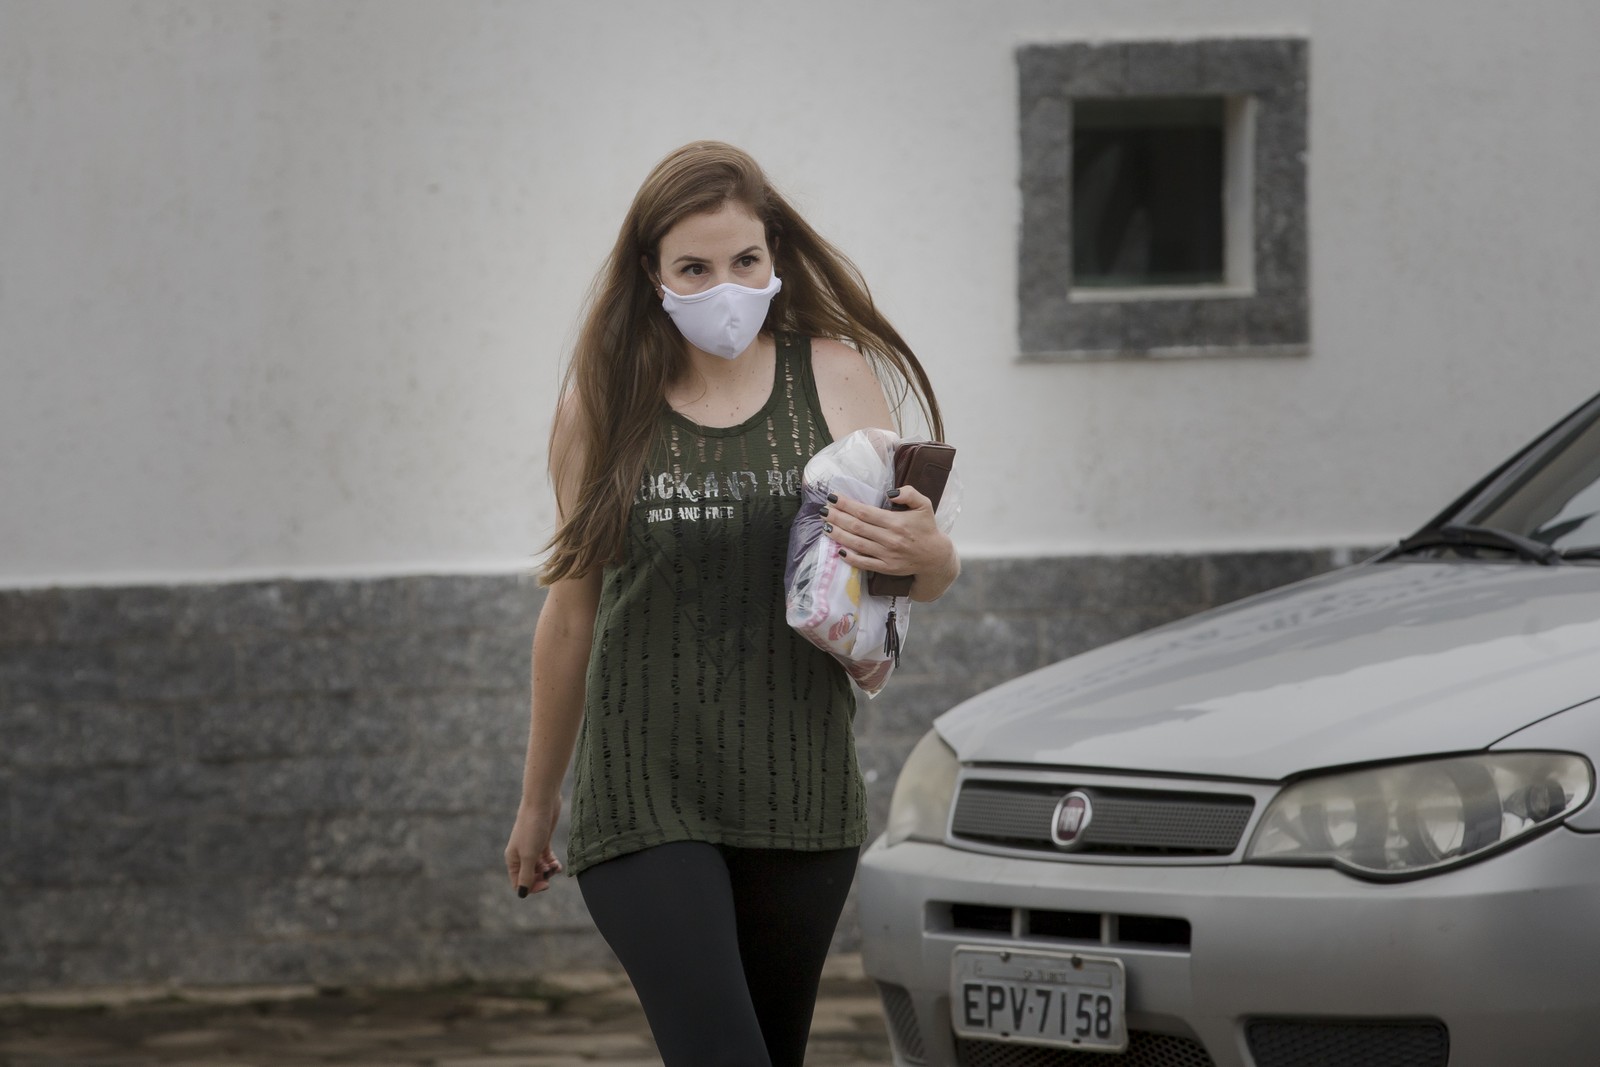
(576, 1020)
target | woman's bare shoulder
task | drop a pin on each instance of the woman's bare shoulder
(835, 354)
(569, 410)
(847, 388)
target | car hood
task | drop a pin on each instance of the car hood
(1379, 661)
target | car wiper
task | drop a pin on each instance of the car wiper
(1453, 535)
(1582, 552)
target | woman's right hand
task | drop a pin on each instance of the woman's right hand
(529, 859)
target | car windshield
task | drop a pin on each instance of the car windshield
(1553, 501)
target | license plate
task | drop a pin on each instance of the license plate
(1065, 999)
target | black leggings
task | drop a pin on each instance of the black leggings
(724, 946)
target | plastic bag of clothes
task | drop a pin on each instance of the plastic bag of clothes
(826, 596)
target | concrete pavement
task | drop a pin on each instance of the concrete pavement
(572, 1020)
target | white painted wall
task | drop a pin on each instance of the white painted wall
(284, 286)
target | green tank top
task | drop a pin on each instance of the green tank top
(706, 718)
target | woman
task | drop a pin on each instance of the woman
(717, 806)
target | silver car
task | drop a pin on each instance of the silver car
(1347, 822)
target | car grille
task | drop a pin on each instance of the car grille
(1348, 1043)
(1144, 1050)
(1125, 821)
(902, 1016)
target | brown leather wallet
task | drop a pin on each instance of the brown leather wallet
(925, 466)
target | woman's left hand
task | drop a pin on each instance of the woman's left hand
(893, 541)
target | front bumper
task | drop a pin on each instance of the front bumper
(1504, 952)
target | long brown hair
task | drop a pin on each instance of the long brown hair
(628, 349)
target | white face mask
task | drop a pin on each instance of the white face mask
(724, 319)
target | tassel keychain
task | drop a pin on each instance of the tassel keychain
(891, 637)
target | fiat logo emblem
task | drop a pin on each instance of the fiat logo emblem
(1071, 819)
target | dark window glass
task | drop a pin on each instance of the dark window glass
(1147, 191)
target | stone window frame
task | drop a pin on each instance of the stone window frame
(1264, 309)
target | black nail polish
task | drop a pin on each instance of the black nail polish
(522, 890)
(833, 498)
(827, 527)
(824, 511)
(841, 552)
(893, 493)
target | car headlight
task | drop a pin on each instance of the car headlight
(921, 803)
(1412, 819)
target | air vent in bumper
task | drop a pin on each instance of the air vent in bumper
(902, 1016)
(1348, 1042)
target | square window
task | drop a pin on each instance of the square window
(1163, 194)
(1147, 182)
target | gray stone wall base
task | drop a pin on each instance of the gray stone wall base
(291, 782)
